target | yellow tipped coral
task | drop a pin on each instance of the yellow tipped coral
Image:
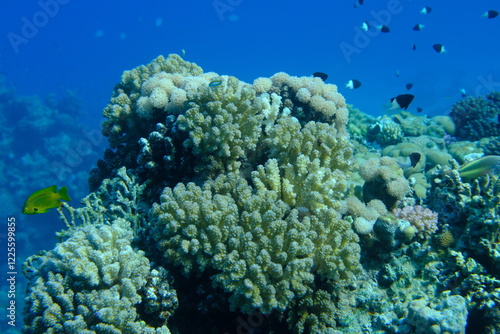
(480, 167)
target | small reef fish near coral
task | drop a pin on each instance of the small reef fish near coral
(401, 101)
(481, 167)
(44, 199)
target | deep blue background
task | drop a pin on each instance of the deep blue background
(259, 38)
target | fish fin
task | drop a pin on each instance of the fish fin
(64, 194)
(52, 189)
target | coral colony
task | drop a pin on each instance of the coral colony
(275, 207)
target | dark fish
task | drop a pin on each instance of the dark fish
(409, 86)
(418, 27)
(439, 48)
(415, 158)
(365, 26)
(321, 75)
(359, 3)
(353, 84)
(491, 14)
(414, 47)
(419, 109)
(375, 130)
(426, 10)
(401, 101)
(383, 28)
(215, 83)
(463, 92)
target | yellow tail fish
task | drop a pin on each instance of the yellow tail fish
(43, 200)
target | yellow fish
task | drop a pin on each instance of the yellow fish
(43, 200)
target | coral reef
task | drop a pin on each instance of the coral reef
(385, 132)
(235, 200)
(423, 219)
(90, 283)
(490, 145)
(473, 206)
(472, 210)
(267, 255)
(448, 317)
(252, 180)
(477, 117)
(384, 181)
(208, 130)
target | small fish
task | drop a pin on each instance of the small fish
(426, 10)
(414, 47)
(418, 27)
(383, 28)
(401, 101)
(480, 167)
(359, 3)
(43, 200)
(414, 159)
(375, 130)
(215, 83)
(419, 109)
(398, 73)
(409, 86)
(353, 84)
(365, 26)
(463, 92)
(439, 48)
(321, 75)
(491, 14)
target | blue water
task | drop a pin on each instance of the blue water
(82, 47)
(249, 39)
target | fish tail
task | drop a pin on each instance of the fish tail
(64, 194)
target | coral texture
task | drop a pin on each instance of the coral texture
(251, 177)
(384, 181)
(477, 117)
(266, 253)
(385, 132)
(425, 221)
(89, 283)
(449, 317)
